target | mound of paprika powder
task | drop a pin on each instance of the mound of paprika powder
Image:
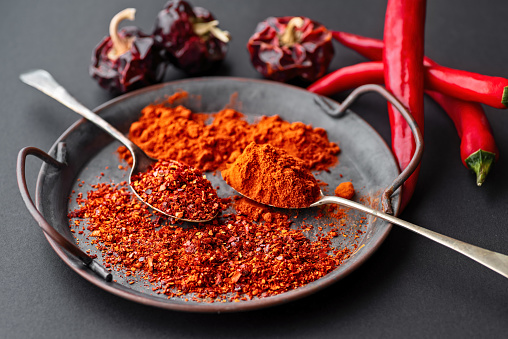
(271, 176)
(165, 131)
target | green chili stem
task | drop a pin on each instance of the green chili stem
(480, 162)
(504, 98)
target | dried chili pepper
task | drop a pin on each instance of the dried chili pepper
(126, 59)
(478, 148)
(286, 48)
(178, 190)
(190, 37)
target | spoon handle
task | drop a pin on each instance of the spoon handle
(45, 83)
(493, 260)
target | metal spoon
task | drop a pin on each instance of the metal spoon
(493, 260)
(45, 83)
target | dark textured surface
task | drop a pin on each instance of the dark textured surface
(410, 288)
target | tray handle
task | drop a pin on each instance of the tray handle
(46, 227)
(339, 111)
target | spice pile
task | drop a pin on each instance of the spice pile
(178, 190)
(271, 176)
(231, 255)
(251, 252)
(165, 132)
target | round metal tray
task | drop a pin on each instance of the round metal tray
(86, 150)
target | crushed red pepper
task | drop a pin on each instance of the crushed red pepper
(258, 212)
(232, 254)
(178, 190)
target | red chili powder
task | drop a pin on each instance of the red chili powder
(165, 132)
(231, 255)
(345, 190)
(271, 176)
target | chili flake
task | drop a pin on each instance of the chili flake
(231, 254)
(178, 190)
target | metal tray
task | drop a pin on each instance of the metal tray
(84, 151)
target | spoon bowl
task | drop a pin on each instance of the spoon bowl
(141, 162)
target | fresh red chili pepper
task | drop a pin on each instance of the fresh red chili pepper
(477, 148)
(368, 47)
(468, 86)
(286, 48)
(403, 70)
(126, 59)
(190, 37)
(349, 77)
(403, 74)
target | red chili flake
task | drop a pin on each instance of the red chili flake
(178, 190)
(262, 259)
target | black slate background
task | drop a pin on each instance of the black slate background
(411, 287)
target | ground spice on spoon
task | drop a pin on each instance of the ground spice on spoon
(271, 176)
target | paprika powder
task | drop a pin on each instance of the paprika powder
(165, 131)
(271, 176)
(345, 190)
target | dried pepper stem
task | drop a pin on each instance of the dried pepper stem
(291, 36)
(120, 45)
(203, 28)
